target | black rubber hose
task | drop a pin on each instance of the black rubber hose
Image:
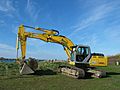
(56, 31)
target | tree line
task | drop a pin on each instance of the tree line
(3, 58)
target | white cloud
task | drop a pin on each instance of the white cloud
(46, 51)
(33, 10)
(35, 42)
(113, 33)
(92, 40)
(97, 14)
(7, 50)
(6, 6)
(14, 29)
(6, 47)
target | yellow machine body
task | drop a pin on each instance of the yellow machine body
(95, 61)
(98, 61)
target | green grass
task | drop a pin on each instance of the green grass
(10, 79)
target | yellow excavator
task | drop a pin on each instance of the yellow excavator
(80, 59)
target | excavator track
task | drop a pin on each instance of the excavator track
(97, 73)
(79, 73)
(73, 72)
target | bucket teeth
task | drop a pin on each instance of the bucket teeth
(26, 69)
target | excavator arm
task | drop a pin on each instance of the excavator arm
(47, 36)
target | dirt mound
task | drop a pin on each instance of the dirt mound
(114, 58)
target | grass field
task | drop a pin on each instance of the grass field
(10, 79)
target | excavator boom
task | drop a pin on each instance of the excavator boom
(48, 36)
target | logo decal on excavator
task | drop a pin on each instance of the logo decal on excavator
(101, 63)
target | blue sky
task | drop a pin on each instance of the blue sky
(90, 22)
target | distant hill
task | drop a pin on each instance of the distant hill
(114, 58)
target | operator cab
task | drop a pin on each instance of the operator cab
(80, 54)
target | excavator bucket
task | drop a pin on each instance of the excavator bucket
(26, 69)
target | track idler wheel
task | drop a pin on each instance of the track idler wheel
(80, 73)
